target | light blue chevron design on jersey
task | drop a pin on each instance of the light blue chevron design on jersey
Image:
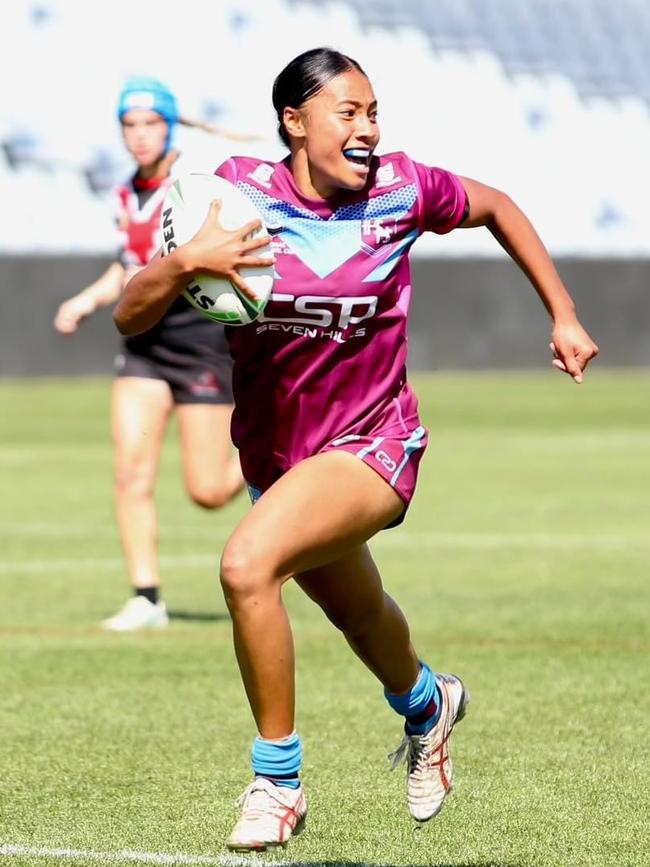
(382, 271)
(325, 245)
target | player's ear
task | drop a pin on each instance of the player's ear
(293, 121)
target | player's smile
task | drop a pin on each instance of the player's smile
(359, 158)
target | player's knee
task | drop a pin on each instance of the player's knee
(208, 496)
(133, 480)
(242, 574)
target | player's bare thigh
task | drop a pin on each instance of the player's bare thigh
(320, 510)
(140, 412)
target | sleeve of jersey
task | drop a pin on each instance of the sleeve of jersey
(228, 171)
(442, 199)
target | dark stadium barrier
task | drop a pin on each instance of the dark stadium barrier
(484, 314)
(466, 314)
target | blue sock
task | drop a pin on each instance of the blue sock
(278, 761)
(420, 705)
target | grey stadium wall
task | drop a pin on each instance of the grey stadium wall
(466, 314)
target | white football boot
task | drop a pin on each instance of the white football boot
(138, 613)
(270, 816)
(429, 767)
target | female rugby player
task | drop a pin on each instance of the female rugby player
(326, 424)
(182, 364)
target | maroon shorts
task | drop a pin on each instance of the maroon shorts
(396, 460)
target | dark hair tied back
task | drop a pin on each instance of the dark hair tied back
(304, 77)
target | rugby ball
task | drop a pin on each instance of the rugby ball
(184, 211)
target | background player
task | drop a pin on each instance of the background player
(181, 364)
(327, 426)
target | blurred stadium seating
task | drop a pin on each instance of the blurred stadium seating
(547, 100)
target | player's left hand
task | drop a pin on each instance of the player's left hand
(572, 349)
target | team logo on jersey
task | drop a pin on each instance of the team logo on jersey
(375, 230)
(262, 174)
(386, 176)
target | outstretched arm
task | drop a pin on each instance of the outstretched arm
(104, 291)
(213, 250)
(571, 346)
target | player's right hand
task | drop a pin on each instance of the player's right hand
(72, 313)
(572, 348)
(215, 250)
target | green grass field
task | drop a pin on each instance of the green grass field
(523, 566)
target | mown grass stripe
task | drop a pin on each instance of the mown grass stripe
(470, 541)
(125, 856)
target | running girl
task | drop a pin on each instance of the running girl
(181, 364)
(326, 423)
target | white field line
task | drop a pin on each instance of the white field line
(396, 539)
(72, 531)
(481, 541)
(126, 856)
(75, 530)
(95, 564)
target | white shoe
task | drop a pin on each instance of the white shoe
(429, 767)
(271, 815)
(138, 613)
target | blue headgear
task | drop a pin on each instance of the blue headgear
(152, 95)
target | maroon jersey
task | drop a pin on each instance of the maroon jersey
(325, 364)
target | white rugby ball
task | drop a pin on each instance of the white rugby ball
(184, 211)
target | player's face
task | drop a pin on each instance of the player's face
(145, 134)
(341, 133)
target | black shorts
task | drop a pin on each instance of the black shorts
(187, 351)
(192, 379)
